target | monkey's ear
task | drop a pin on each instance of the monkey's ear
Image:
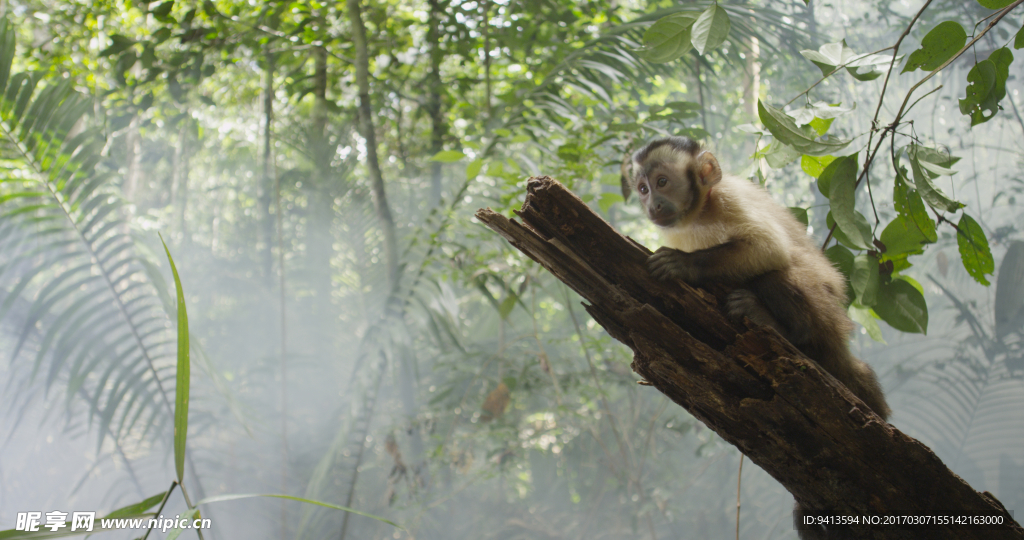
(627, 184)
(708, 170)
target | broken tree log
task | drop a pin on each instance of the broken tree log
(750, 385)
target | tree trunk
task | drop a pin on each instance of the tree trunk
(437, 125)
(319, 244)
(746, 383)
(387, 223)
(267, 184)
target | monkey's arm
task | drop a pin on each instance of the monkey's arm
(734, 261)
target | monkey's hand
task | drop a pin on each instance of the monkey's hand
(668, 263)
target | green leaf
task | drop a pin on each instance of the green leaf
(669, 38)
(800, 214)
(902, 306)
(864, 279)
(863, 315)
(937, 170)
(778, 155)
(981, 81)
(448, 156)
(183, 380)
(939, 45)
(235, 497)
(695, 133)
(995, 4)
(118, 45)
(187, 516)
(474, 168)
(903, 237)
(507, 304)
(820, 125)
(608, 199)
(785, 129)
(838, 233)
(628, 126)
(161, 11)
(710, 29)
(815, 165)
(931, 194)
(1018, 42)
(137, 508)
(842, 259)
(911, 208)
(840, 178)
(974, 250)
(830, 56)
(1001, 58)
(687, 107)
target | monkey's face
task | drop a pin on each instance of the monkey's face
(673, 177)
(666, 182)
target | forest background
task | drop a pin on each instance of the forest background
(359, 339)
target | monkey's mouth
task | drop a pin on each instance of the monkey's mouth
(664, 219)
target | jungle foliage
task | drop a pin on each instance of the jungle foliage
(360, 340)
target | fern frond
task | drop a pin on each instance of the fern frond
(94, 323)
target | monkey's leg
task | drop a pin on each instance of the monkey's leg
(744, 303)
(787, 304)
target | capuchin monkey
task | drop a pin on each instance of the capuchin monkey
(727, 230)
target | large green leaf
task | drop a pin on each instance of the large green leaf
(183, 371)
(902, 306)
(865, 279)
(784, 128)
(669, 38)
(841, 184)
(938, 45)
(710, 29)
(931, 194)
(974, 250)
(981, 81)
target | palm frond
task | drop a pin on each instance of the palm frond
(94, 322)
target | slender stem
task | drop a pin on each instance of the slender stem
(994, 21)
(739, 483)
(834, 71)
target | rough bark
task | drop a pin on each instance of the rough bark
(746, 383)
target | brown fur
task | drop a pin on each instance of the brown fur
(725, 229)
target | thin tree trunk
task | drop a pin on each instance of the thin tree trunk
(321, 203)
(267, 184)
(486, 6)
(700, 93)
(437, 127)
(387, 223)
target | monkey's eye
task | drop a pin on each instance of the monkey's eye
(642, 188)
(662, 181)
